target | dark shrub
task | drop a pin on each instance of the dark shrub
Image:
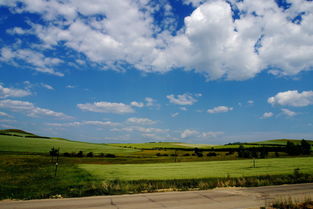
(66, 154)
(305, 147)
(199, 154)
(211, 154)
(89, 154)
(110, 155)
(80, 154)
(158, 154)
(186, 154)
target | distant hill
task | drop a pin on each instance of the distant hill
(14, 140)
(16, 132)
(283, 141)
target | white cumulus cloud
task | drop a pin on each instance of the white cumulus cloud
(292, 98)
(30, 109)
(12, 92)
(137, 104)
(211, 42)
(288, 112)
(267, 115)
(188, 133)
(141, 121)
(3, 114)
(82, 123)
(182, 99)
(219, 109)
(107, 107)
(47, 86)
(35, 60)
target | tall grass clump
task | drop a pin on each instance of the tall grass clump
(292, 204)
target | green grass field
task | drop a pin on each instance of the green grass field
(282, 141)
(195, 170)
(42, 145)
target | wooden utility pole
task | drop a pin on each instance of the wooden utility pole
(57, 162)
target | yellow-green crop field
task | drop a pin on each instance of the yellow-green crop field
(196, 170)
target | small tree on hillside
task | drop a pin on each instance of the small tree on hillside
(293, 149)
(305, 147)
(241, 151)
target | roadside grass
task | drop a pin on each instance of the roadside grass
(291, 203)
(43, 145)
(196, 170)
(32, 177)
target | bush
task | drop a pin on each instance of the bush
(66, 154)
(80, 154)
(90, 154)
(158, 154)
(199, 154)
(186, 154)
(110, 155)
(211, 154)
(230, 153)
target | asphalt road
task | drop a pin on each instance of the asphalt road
(220, 198)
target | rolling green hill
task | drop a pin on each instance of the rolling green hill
(12, 140)
(282, 141)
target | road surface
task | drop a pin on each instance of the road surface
(220, 198)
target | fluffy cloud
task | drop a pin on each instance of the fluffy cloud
(106, 107)
(141, 121)
(3, 114)
(188, 133)
(47, 86)
(267, 115)
(212, 42)
(212, 134)
(11, 92)
(137, 104)
(30, 109)
(34, 59)
(196, 134)
(288, 112)
(292, 98)
(219, 109)
(182, 99)
(174, 114)
(92, 123)
(150, 102)
(141, 129)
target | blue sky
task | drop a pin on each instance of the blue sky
(192, 71)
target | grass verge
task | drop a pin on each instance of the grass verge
(32, 177)
(292, 204)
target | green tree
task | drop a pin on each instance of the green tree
(305, 147)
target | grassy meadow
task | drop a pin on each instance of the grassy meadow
(196, 170)
(43, 145)
(27, 171)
